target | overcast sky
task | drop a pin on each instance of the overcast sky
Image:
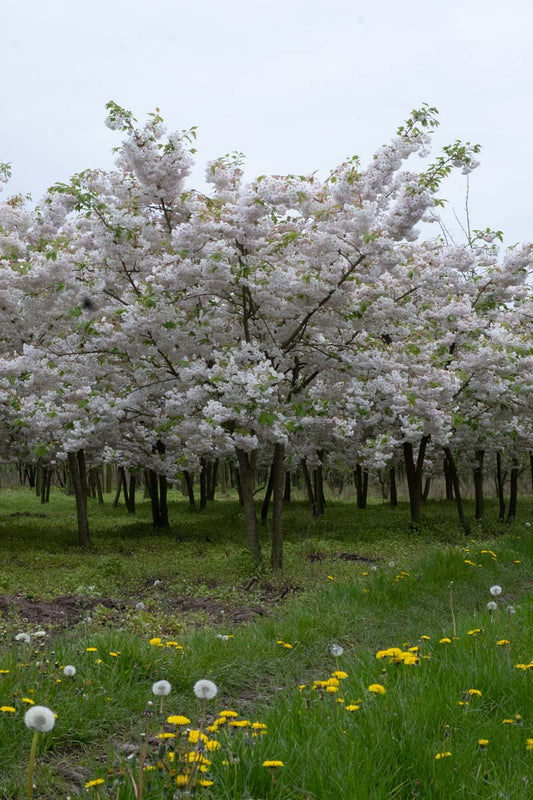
(297, 85)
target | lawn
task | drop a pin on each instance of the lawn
(446, 713)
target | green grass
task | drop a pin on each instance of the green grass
(384, 749)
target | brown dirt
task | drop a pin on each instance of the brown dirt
(62, 612)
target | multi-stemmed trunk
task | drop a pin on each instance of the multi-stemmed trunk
(413, 471)
(78, 475)
(247, 467)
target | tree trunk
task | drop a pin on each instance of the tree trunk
(278, 468)
(287, 488)
(151, 484)
(309, 488)
(427, 487)
(108, 483)
(44, 482)
(513, 493)
(131, 494)
(448, 481)
(203, 483)
(98, 485)
(414, 477)
(268, 495)
(500, 485)
(361, 485)
(163, 501)
(393, 489)
(456, 490)
(213, 477)
(190, 487)
(238, 484)
(78, 473)
(478, 484)
(247, 467)
(318, 478)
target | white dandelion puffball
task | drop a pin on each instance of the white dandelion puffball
(205, 689)
(528, 524)
(511, 610)
(495, 590)
(161, 688)
(336, 650)
(39, 718)
(40, 634)
(23, 637)
(223, 637)
(69, 671)
(392, 564)
(492, 606)
(140, 606)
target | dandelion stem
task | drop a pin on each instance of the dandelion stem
(31, 764)
(454, 626)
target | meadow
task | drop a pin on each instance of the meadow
(371, 667)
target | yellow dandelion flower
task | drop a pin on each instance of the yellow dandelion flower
(239, 723)
(340, 674)
(272, 764)
(7, 709)
(332, 689)
(178, 719)
(182, 780)
(474, 631)
(28, 700)
(259, 726)
(426, 638)
(212, 744)
(474, 692)
(91, 649)
(445, 640)
(442, 755)
(165, 735)
(96, 782)
(508, 721)
(377, 688)
(205, 782)
(529, 744)
(227, 714)
(195, 736)
(503, 642)
(115, 655)
(352, 707)
(331, 578)
(482, 743)
(302, 686)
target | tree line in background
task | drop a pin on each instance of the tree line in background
(289, 325)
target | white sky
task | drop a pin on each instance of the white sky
(297, 85)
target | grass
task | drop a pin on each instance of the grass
(386, 748)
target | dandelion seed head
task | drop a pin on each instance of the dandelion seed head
(69, 671)
(496, 590)
(205, 689)
(39, 718)
(336, 650)
(23, 637)
(492, 606)
(161, 688)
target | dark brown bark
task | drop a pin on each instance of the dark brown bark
(278, 468)
(131, 494)
(163, 501)
(188, 478)
(500, 481)
(268, 495)
(212, 482)
(427, 487)
(98, 485)
(513, 492)
(78, 474)
(46, 476)
(238, 484)
(361, 485)
(318, 479)
(456, 489)
(151, 482)
(247, 468)
(478, 484)
(309, 488)
(448, 480)
(393, 490)
(287, 488)
(413, 473)
(203, 483)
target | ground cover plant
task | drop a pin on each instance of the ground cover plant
(401, 671)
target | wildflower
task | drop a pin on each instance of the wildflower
(331, 578)
(95, 782)
(377, 688)
(445, 640)
(528, 524)
(177, 719)
(474, 692)
(259, 726)
(205, 782)
(4, 672)
(39, 634)
(39, 718)
(205, 689)
(195, 736)
(495, 590)
(517, 561)
(340, 674)
(272, 764)
(511, 610)
(529, 744)
(336, 650)
(508, 721)
(7, 709)
(161, 688)
(442, 755)
(212, 744)
(228, 714)
(352, 707)
(492, 606)
(182, 780)
(165, 735)
(474, 631)
(426, 638)
(482, 743)
(23, 637)
(69, 671)
(115, 655)
(239, 723)
(91, 649)
(28, 700)
(156, 641)
(503, 642)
